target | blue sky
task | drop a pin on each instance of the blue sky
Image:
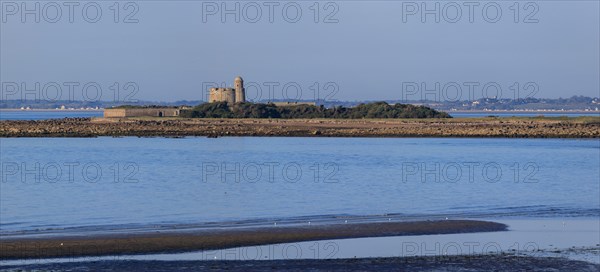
(356, 50)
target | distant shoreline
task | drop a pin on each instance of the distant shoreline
(523, 111)
(447, 111)
(52, 110)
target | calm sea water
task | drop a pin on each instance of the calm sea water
(43, 115)
(103, 183)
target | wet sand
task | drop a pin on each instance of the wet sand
(497, 262)
(181, 241)
(580, 127)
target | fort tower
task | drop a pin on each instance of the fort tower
(229, 95)
(240, 93)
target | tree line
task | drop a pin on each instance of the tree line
(269, 110)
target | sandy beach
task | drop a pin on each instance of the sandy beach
(514, 256)
(188, 240)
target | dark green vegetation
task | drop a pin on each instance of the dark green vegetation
(371, 110)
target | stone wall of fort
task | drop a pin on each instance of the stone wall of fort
(154, 112)
(222, 95)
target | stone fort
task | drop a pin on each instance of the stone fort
(233, 95)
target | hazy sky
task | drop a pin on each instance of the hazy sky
(356, 50)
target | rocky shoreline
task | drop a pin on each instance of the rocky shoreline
(581, 127)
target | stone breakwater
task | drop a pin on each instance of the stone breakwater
(585, 127)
